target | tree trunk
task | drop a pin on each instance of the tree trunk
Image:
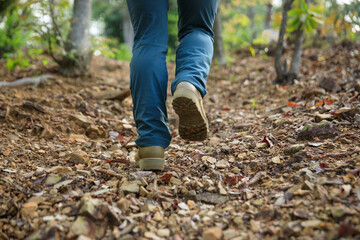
(128, 30)
(282, 72)
(296, 58)
(78, 46)
(219, 52)
(251, 16)
(268, 15)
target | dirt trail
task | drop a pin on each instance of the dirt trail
(280, 162)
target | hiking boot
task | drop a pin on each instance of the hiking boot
(187, 103)
(150, 158)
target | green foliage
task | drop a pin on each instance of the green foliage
(302, 17)
(12, 35)
(123, 52)
(16, 59)
(111, 48)
(342, 20)
(111, 13)
(239, 30)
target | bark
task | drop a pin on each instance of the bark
(78, 41)
(296, 58)
(251, 16)
(219, 52)
(128, 30)
(268, 15)
(282, 72)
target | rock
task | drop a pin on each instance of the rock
(36, 199)
(28, 210)
(82, 237)
(175, 181)
(214, 141)
(82, 121)
(158, 217)
(230, 233)
(329, 84)
(84, 226)
(301, 214)
(60, 170)
(255, 225)
(183, 206)
(130, 187)
(311, 223)
(212, 234)
(77, 138)
(83, 173)
(222, 164)
(94, 216)
(51, 232)
(291, 150)
(357, 86)
(143, 191)
(347, 113)
(63, 183)
(163, 232)
(79, 157)
(319, 117)
(52, 179)
(47, 133)
(124, 205)
(280, 201)
(322, 130)
(210, 160)
(238, 220)
(286, 109)
(312, 92)
(276, 159)
(151, 235)
(95, 132)
(212, 198)
(147, 207)
(261, 145)
(357, 119)
(191, 204)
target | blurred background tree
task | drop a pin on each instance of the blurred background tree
(31, 30)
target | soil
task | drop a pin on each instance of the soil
(281, 162)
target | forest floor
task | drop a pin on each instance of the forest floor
(281, 162)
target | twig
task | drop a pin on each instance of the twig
(161, 195)
(255, 179)
(13, 184)
(114, 95)
(108, 173)
(352, 135)
(332, 155)
(130, 139)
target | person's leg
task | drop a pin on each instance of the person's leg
(194, 54)
(193, 59)
(148, 73)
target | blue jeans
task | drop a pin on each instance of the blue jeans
(148, 73)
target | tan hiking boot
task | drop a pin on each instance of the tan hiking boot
(150, 158)
(187, 103)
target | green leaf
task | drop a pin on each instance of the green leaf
(295, 12)
(294, 26)
(308, 27)
(252, 51)
(303, 5)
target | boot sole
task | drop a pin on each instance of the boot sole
(192, 124)
(151, 164)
